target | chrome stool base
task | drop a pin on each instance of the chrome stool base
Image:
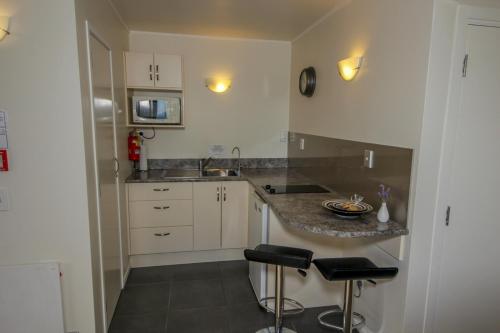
(272, 330)
(297, 308)
(358, 319)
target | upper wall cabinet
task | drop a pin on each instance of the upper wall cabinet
(158, 71)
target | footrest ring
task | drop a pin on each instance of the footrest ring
(358, 320)
(298, 308)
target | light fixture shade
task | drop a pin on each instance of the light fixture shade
(348, 68)
(218, 85)
(4, 26)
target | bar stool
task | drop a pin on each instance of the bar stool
(350, 270)
(280, 256)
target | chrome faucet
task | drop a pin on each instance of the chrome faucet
(203, 164)
(239, 159)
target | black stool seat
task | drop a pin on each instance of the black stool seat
(343, 269)
(280, 255)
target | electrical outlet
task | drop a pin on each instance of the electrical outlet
(4, 199)
(302, 144)
(284, 136)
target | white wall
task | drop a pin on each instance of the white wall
(40, 90)
(251, 115)
(384, 104)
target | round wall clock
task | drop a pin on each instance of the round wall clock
(307, 81)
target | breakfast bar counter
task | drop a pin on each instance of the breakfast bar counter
(302, 211)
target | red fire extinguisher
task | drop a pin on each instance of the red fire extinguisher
(134, 146)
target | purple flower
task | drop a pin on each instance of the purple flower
(384, 192)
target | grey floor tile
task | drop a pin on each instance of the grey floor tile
(206, 320)
(238, 291)
(197, 293)
(202, 271)
(143, 299)
(234, 269)
(151, 323)
(157, 274)
(248, 318)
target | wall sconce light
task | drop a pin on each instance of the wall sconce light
(348, 68)
(218, 85)
(4, 27)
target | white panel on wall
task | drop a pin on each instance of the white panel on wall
(31, 299)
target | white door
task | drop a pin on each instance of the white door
(207, 198)
(468, 297)
(234, 215)
(104, 140)
(168, 71)
(140, 69)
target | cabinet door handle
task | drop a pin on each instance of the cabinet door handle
(224, 196)
(151, 72)
(157, 73)
(162, 234)
(161, 189)
(218, 194)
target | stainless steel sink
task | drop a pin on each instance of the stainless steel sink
(220, 173)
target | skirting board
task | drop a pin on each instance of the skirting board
(162, 259)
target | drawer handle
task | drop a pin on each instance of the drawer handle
(161, 189)
(164, 207)
(163, 234)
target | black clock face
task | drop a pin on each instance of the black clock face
(307, 81)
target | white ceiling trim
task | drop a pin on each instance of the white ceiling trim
(211, 37)
(120, 17)
(335, 9)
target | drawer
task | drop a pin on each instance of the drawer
(158, 240)
(160, 191)
(166, 213)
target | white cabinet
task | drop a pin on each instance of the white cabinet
(187, 216)
(148, 70)
(207, 215)
(160, 217)
(220, 215)
(168, 71)
(139, 68)
(234, 214)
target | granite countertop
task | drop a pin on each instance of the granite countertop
(301, 211)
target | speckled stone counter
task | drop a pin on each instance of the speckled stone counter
(301, 211)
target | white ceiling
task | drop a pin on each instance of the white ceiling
(259, 19)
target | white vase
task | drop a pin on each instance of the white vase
(383, 213)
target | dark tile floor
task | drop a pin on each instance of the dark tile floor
(207, 297)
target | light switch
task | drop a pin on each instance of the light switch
(368, 159)
(4, 199)
(302, 144)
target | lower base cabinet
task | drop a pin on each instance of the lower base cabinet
(179, 217)
(158, 240)
(220, 215)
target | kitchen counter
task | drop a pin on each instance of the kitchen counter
(301, 211)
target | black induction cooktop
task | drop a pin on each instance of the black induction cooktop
(290, 189)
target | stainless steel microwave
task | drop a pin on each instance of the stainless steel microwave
(156, 110)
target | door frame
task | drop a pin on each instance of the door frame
(91, 32)
(467, 15)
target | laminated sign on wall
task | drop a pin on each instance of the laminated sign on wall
(4, 144)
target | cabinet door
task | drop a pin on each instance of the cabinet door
(140, 69)
(207, 198)
(168, 71)
(234, 214)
